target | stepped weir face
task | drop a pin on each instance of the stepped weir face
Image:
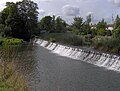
(111, 62)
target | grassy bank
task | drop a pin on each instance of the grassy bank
(102, 43)
(10, 78)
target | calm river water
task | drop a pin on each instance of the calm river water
(46, 71)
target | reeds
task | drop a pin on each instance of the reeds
(10, 78)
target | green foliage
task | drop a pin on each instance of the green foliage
(52, 24)
(116, 30)
(10, 41)
(94, 32)
(60, 25)
(116, 33)
(108, 32)
(19, 19)
(101, 32)
(82, 27)
(107, 44)
(78, 22)
(46, 23)
(101, 25)
(75, 31)
(117, 22)
(66, 38)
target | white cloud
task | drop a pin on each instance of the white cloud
(90, 13)
(44, 0)
(116, 2)
(41, 12)
(70, 10)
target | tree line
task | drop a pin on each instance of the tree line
(20, 20)
(80, 26)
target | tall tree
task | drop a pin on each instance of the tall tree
(28, 12)
(46, 23)
(20, 18)
(78, 22)
(117, 22)
(116, 31)
(52, 24)
(101, 25)
(60, 25)
(86, 25)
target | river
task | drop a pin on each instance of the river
(46, 71)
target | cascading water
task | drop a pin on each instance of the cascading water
(108, 61)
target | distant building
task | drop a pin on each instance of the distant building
(108, 27)
(93, 26)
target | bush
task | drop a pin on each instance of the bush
(10, 41)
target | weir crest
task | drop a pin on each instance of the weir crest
(111, 62)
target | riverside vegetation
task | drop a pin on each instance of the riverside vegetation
(15, 28)
(19, 23)
(82, 33)
(10, 78)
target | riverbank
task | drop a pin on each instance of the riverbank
(98, 43)
(10, 79)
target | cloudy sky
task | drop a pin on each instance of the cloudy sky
(68, 9)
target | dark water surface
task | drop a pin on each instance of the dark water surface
(49, 72)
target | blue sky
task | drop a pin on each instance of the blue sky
(68, 9)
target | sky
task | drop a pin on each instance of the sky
(68, 9)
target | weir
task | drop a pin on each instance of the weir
(111, 62)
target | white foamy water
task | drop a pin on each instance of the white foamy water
(111, 62)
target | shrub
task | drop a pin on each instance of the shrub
(10, 41)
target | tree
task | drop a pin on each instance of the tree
(101, 25)
(101, 28)
(78, 22)
(87, 24)
(116, 33)
(52, 24)
(46, 23)
(29, 15)
(101, 32)
(116, 30)
(60, 25)
(117, 22)
(20, 18)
